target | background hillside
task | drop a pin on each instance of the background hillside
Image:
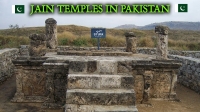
(80, 36)
(175, 25)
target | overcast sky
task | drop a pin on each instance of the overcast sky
(94, 20)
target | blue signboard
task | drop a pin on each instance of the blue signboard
(98, 32)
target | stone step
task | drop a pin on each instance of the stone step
(99, 108)
(96, 81)
(100, 97)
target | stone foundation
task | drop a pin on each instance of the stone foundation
(30, 79)
(88, 83)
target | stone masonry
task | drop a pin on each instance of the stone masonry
(131, 42)
(162, 42)
(30, 79)
(37, 46)
(189, 72)
(93, 81)
(51, 33)
(6, 65)
(89, 80)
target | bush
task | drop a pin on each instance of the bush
(80, 42)
(12, 41)
(146, 42)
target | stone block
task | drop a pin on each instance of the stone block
(110, 81)
(91, 66)
(94, 81)
(107, 67)
(100, 97)
(124, 66)
(77, 67)
(80, 81)
(99, 108)
(127, 82)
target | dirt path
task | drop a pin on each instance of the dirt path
(190, 101)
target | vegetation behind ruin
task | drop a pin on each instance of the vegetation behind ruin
(72, 35)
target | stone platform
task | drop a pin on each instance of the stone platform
(94, 83)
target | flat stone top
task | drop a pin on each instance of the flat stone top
(187, 58)
(7, 50)
(54, 56)
(101, 91)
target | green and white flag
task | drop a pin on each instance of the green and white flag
(181, 7)
(18, 9)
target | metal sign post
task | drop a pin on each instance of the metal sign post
(98, 33)
(98, 43)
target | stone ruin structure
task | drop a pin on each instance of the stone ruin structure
(162, 40)
(37, 45)
(95, 81)
(51, 33)
(131, 42)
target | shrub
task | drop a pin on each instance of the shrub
(146, 42)
(80, 42)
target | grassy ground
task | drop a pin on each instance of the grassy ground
(80, 36)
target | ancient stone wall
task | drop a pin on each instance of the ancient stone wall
(150, 51)
(67, 48)
(189, 72)
(193, 54)
(6, 66)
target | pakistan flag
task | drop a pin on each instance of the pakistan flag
(18, 9)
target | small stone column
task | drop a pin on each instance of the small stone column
(131, 42)
(51, 33)
(162, 42)
(37, 46)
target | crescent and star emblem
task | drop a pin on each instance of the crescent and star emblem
(19, 9)
(182, 8)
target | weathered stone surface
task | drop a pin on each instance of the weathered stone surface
(99, 108)
(77, 67)
(131, 42)
(188, 74)
(161, 83)
(100, 97)
(91, 66)
(139, 88)
(124, 66)
(162, 42)
(51, 33)
(127, 82)
(30, 80)
(81, 81)
(23, 50)
(37, 45)
(129, 34)
(56, 81)
(111, 82)
(107, 67)
(94, 81)
(6, 65)
(161, 30)
(95, 53)
(33, 82)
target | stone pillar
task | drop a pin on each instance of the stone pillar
(131, 42)
(162, 42)
(51, 33)
(37, 46)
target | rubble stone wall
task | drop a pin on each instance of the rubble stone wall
(189, 72)
(6, 65)
(193, 54)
